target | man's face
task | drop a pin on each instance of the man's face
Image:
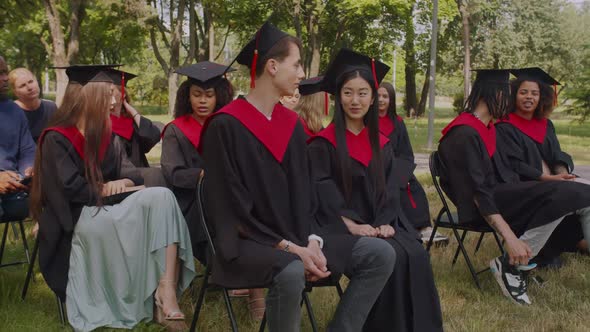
(3, 77)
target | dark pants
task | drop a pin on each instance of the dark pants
(14, 207)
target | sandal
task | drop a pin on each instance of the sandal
(239, 293)
(160, 316)
(257, 307)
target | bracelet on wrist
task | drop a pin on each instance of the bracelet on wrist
(286, 247)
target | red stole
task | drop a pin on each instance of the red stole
(359, 146)
(386, 126)
(536, 129)
(190, 127)
(274, 134)
(306, 129)
(487, 134)
(78, 141)
(122, 126)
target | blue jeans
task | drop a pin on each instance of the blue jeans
(14, 207)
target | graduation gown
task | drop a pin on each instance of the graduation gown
(525, 144)
(468, 174)
(258, 188)
(413, 197)
(66, 192)
(409, 301)
(181, 166)
(136, 142)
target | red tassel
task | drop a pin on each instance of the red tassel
(326, 104)
(411, 197)
(122, 88)
(374, 74)
(253, 71)
(554, 94)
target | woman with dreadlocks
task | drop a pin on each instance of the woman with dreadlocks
(353, 169)
(533, 152)
(525, 214)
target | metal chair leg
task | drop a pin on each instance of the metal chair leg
(467, 260)
(339, 289)
(230, 311)
(262, 323)
(460, 241)
(431, 240)
(25, 244)
(499, 243)
(479, 242)
(3, 242)
(314, 325)
(30, 270)
(60, 308)
(201, 298)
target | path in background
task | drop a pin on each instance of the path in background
(421, 160)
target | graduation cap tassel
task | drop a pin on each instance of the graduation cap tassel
(374, 73)
(122, 87)
(554, 94)
(253, 71)
(410, 196)
(326, 104)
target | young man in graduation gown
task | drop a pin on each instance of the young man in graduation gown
(203, 93)
(532, 152)
(468, 160)
(136, 134)
(17, 154)
(258, 194)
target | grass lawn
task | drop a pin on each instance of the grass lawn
(562, 304)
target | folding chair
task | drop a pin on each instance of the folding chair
(16, 235)
(228, 306)
(60, 303)
(448, 219)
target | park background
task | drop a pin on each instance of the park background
(154, 37)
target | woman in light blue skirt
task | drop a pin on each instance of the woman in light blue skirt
(111, 258)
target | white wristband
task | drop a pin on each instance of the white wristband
(317, 238)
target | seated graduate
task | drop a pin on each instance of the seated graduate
(26, 89)
(353, 170)
(525, 214)
(104, 258)
(533, 153)
(413, 197)
(136, 134)
(204, 92)
(313, 105)
(17, 154)
(258, 188)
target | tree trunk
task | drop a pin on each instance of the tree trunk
(211, 40)
(172, 90)
(297, 17)
(314, 45)
(467, 49)
(424, 96)
(410, 70)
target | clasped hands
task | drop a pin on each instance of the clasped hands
(10, 181)
(383, 231)
(314, 261)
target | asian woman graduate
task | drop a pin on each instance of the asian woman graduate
(354, 173)
(109, 260)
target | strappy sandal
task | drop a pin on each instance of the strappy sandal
(257, 307)
(239, 293)
(160, 316)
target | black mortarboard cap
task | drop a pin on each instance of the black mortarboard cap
(348, 60)
(120, 77)
(501, 76)
(535, 73)
(311, 85)
(264, 39)
(83, 74)
(205, 72)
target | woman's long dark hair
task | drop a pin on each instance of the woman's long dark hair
(546, 97)
(496, 96)
(224, 94)
(371, 120)
(391, 110)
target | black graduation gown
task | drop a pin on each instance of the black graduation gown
(144, 138)
(255, 201)
(66, 192)
(181, 165)
(409, 301)
(468, 174)
(413, 197)
(524, 156)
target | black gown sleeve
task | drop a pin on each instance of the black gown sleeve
(389, 207)
(403, 150)
(331, 201)
(126, 170)
(558, 157)
(510, 148)
(229, 203)
(148, 134)
(177, 172)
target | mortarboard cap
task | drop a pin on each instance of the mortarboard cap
(120, 77)
(539, 75)
(348, 60)
(311, 85)
(493, 75)
(206, 72)
(264, 39)
(83, 74)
